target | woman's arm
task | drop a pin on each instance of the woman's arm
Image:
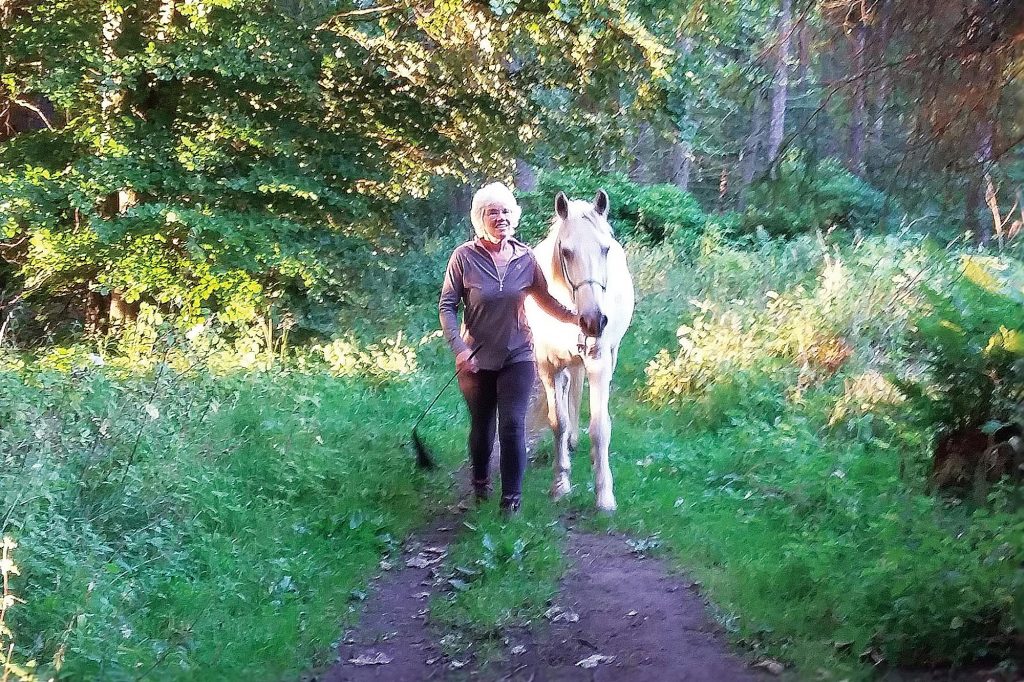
(548, 303)
(451, 294)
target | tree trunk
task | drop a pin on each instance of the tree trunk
(748, 157)
(639, 171)
(799, 105)
(858, 106)
(723, 188)
(780, 85)
(981, 229)
(97, 307)
(876, 143)
(525, 176)
(460, 201)
(681, 163)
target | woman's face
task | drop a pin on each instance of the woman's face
(497, 222)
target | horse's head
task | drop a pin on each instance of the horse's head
(583, 239)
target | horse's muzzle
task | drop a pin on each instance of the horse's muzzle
(593, 324)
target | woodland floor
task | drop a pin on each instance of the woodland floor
(618, 616)
(625, 615)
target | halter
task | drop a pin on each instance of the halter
(581, 345)
(568, 280)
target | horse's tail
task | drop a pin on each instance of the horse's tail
(575, 396)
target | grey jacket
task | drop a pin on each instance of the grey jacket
(493, 317)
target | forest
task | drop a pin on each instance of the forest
(223, 230)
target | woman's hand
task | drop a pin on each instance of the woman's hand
(465, 362)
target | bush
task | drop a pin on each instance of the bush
(649, 214)
(806, 199)
(971, 341)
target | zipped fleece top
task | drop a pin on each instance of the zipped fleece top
(493, 317)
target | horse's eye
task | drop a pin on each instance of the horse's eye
(604, 250)
(566, 254)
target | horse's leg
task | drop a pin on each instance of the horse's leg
(575, 396)
(600, 437)
(556, 385)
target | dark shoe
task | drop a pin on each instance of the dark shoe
(509, 506)
(481, 491)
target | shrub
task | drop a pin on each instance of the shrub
(651, 213)
(971, 341)
(805, 199)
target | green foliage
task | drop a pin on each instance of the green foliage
(253, 153)
(789, 478)
(185, 525)
(820, 197)
(971, 343)
(645, 213)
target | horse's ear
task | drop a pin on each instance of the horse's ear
(601, 202)
(562, 206)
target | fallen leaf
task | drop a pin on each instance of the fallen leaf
(455, 665)
(386, 565)
(421, 595)
(422, 560)
(431, 661)
(771, 665)
(594, 661)
(631, 614)
(366, 659)
(556, 614)
(517, 649)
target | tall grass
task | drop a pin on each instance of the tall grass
(767, 450)
(177, 524)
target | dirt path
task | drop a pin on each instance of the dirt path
(612, 603)
(653, 625)
(392, 642)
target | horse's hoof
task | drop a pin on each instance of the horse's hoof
(606, 505)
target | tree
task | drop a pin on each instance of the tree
(221, 157)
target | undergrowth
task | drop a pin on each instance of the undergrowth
(215, 513)
(177, 524)
(767, 450)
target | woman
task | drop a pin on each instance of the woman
(492, 275)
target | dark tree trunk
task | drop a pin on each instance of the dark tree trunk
(680, 164)
(780, 85)
(799, 105)
(525, 177)
(639, 166)
(97, 308)
(978, 226)
(858, 105)
(748, 157)
(723, 188)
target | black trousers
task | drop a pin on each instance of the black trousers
(502, 396)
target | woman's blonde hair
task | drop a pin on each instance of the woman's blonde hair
(494, 193)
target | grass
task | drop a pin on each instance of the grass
(222, 526)
(790, 482)
(224, 532)
(504, 573)
(793, 486)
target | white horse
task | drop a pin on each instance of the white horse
(586, 269)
